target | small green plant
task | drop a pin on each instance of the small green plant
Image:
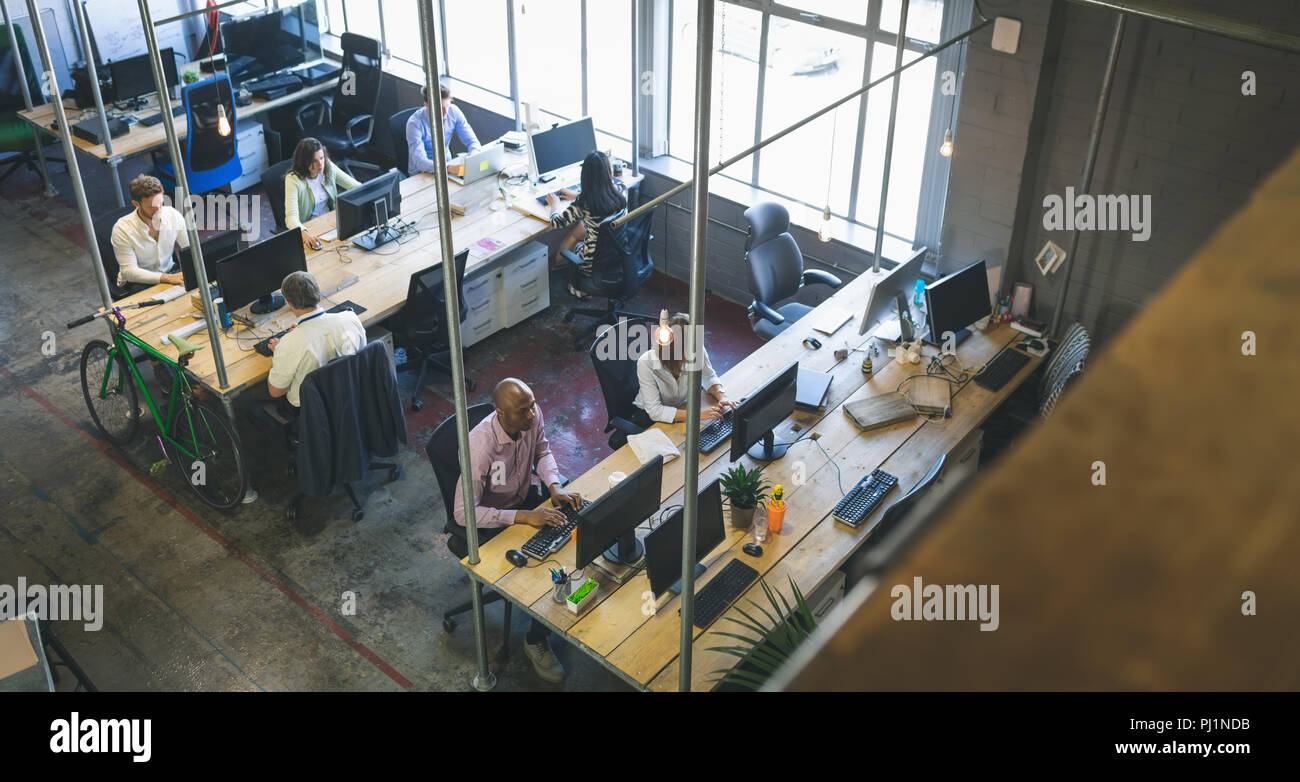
(744, 488)
(189, 77)
(777, 638)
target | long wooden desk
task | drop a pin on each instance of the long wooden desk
(643, 649)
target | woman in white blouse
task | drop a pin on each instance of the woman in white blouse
(661, 373)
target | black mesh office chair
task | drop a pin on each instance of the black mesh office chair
(397, 131)
(621, 266)
(616, 371)
(776, 270)
(1037, 401)
(104, 241)
(420, 325)
(273, 182)
(345, 123)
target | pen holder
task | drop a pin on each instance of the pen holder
(775, 515)
(561, 590)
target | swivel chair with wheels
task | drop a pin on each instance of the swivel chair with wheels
(397, 132)
(776, 271)
(621, 265)
(103, 225)
(273, 182)
(420, 325)
(616, 370)
(346, 122)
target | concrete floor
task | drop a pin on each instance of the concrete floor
(200, 600)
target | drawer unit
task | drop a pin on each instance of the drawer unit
(526, 281)
(251, 145)
(482, 307)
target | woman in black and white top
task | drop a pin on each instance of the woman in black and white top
(661, 373)
(602, 198)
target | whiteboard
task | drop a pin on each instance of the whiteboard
(119, 32)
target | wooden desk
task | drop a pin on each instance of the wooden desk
(643, 649)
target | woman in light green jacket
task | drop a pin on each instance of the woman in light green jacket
(311, 187)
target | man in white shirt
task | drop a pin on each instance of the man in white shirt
(316, 339)
(143, 240)
(661, 373)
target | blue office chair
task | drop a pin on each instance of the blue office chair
(211, 159)
(776, 270)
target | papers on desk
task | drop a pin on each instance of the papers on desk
(651, 443)
(485, 247)
(329, 235)
(830, 321)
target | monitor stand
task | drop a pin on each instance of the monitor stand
(767, 449)
(627, 551)
(268, 303)
(382, 233)
(937, 341)
(676, 588)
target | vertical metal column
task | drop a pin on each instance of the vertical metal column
(514, 64)
(699, 239)
(49, 191)
(484, 679)
(74, 172)
(636, 92)
(1094, 141)
(112, 160)
(183, 190)
(889, 138)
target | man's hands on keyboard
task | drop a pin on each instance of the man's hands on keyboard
(541, 517)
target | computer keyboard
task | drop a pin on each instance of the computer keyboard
(154, 119)
(282, 83)
(721, 592)
(715, 433)
(1002, 368)
(264, 348)
(864, 498)
(551, 539)
(575, 189)
(168, 294)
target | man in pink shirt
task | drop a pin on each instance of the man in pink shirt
(504, 450)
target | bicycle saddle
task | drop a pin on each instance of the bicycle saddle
(184, 346)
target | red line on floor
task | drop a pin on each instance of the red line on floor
(204, 527)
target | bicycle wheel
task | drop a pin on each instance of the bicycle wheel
(215, 469)
(110, 393)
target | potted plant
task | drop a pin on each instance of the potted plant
(773, 641)
(744, 489)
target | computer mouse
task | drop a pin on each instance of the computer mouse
(516, 558)
(752, 549)
(1036, 344)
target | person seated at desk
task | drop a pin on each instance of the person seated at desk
(602, 198)
(143, 240)
(661, 373)
(316, 339)
(311, 187)
(504, 449)
(419, 133)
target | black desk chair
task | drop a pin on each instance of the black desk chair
(273, 183)
(1033, 402)
(620, 267)
(104, 241)
(616, 371)
(421, 326)
(345, 123)
(776, 270)
(397, 131)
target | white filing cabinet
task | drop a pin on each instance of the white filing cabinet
(482, 307)
(526, 283)
(251, 146)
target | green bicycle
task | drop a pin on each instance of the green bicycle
(204, 444)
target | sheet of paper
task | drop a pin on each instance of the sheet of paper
(651, 443)
(16, 652)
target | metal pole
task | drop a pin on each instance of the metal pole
(652, 203)
(199, 11)
(1094, 141)
(694, 334)
(99, 101)
(899, 46)
(49, 191)
(183, 190)
(1200, 20)
(74, 171)
(514, 65)
(636, 92)
(484, 679)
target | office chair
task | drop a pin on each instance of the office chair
(345, 123)
(444, 454)
(18, 140)
(217, 246)
(397, 131)
(620, 267)
(616, 370)
(421, 323)
(273, 183)
(103, 225)
(211, 158)
(776, 270)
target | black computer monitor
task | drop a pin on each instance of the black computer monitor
(216, 248)
(253, 275)
(133, 76)
(609, 524)
(371, 206)
(763, 410)
(663, 546)
(956, 301)
(262, 45)
(889, 298)
(560, 147)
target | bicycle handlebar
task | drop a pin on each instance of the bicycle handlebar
(137, 305)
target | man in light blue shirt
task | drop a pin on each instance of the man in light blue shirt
(419, 133)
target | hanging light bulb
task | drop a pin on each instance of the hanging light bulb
(824, 233)
(664, 334)
(223, 124)
(946, 148)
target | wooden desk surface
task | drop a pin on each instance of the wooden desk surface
(644, 649)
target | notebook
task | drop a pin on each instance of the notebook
(878, 411)
(811, 388)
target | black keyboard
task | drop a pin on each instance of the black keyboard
(577, 189)
(282, 84)
(263, 347)
(864, 498)
(713, 434)
(721, 592)
(154, 119)
(551, 539)
(1002, 368)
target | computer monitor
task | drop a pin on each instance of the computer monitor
(609, 524)
(663, 546)
(253, 275)
(216, 248)
(133, 76)
(888, 300)
(762, 411)
(268, 43)
(956, 301)
(560, 147)
(371, 206)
